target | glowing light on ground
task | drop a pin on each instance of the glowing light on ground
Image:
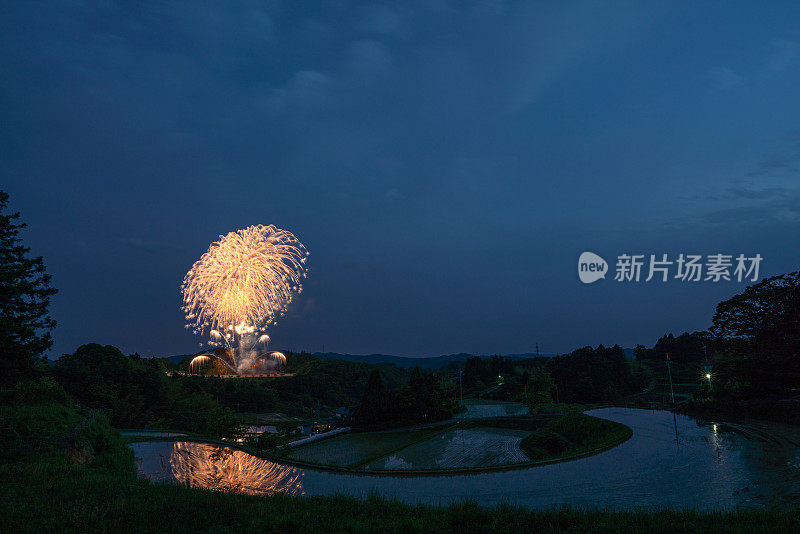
(238, 289)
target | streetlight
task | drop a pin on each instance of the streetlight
(708, 376)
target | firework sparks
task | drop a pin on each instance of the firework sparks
(238, 288)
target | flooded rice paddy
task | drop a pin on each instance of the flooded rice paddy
(708, 466)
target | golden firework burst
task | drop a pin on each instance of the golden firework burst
(241, 286)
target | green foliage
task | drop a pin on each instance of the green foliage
(573, 433)
(593, 375)
(767, 313)
(545, 441)
(43, 390)
(587, 375)
(374, 406)
(245, 395)
(421, 400)
(685, 348)
(45, 423)
(540, 387)
(316, 383)
(268, 441)
(482, 373)
(503, 379)
(580, 429)
(26, 428)
(24, 298)
(757, 339)
(135, 393)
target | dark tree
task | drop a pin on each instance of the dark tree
(372, 410)
(757, 339)
(592, 375)
(765, 316)
(24, 298)
(422, 399)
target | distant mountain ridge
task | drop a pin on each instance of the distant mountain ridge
(435, 362)
(407, 362)
(178, 358)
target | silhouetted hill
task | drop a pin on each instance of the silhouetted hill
(435, 362)
(406, 362)
(178, 358)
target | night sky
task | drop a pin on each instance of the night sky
(444, 163)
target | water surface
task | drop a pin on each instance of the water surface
(470, 447)
(709, 467)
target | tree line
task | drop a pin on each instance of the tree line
(423, 399)
(753, 347)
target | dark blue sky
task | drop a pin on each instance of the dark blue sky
(444, 163)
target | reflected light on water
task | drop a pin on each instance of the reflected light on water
(716, 440)
(225, 469)
(710, 470)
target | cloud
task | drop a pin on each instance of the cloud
(370, 57)
(306, 89)
(749, 192)
(380, 19)
(534, 47)
(786, 209)
(394, 194)
(785, 160)
(725, 78)
(782, 55)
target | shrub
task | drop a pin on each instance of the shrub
(547, 440)
(577, 428)
(43, 390)
(269, 441)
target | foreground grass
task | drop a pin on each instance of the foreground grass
(58, 496)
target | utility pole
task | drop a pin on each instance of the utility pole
(669, 372)
(460, 391)
(707, 367)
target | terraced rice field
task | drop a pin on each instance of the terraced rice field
(354, 449)
(473, 447)
(484, 408)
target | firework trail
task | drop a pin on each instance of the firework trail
(238, 288)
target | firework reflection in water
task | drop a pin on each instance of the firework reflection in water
(225, 469)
